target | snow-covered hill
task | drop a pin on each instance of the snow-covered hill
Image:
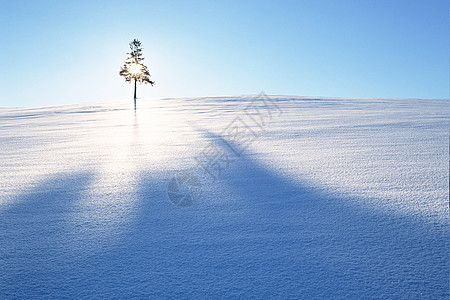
(238, 196)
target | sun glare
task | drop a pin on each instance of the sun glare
(135, 69)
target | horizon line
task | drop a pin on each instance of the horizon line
(220, 96)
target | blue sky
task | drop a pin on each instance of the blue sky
(57, 52)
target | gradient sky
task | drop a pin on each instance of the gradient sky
(58, 52)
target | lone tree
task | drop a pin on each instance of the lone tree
(134, 68)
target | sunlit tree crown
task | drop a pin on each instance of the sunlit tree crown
(134, 67)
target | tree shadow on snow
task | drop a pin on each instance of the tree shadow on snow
(257, 233)
(253, 234)
(36, 238)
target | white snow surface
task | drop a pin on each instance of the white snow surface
(331, 199)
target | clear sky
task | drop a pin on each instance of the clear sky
(57, 52)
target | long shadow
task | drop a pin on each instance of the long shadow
(342, 248)
(262, 235)
(254, 234)
(36, 245)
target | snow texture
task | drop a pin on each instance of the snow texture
(325, 198)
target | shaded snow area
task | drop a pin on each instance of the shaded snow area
(226, 197)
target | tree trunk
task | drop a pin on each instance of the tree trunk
(135, 94)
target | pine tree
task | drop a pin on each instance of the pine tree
(134, 68)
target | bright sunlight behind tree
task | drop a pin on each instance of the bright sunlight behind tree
(134, 67)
